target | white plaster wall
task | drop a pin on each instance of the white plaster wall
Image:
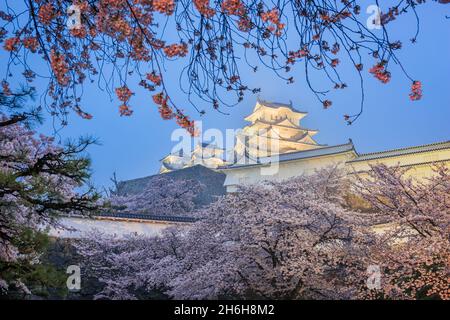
(80, 226)
(252, 175)
(415, 160)
(285, 170)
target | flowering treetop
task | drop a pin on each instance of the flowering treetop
(161, 196)
(297, 239)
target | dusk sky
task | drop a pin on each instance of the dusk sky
(132, 146)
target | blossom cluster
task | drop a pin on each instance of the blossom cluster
(334, 62)
(167, 112)
(59, 67)
(166, 7)
(164, 109)
(31, 43)
(326, 104)
(176, 49)
(46, 13)
(416, 91)
(245, 24)
(183, 121)
(6, 90)
(80, 32)
(203, 7)
(154, 78)
(124, 94)
(11, 44)
(379, 71)
(273, 16)
(293, 55)
(233, 7)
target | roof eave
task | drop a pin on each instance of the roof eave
(413, 150)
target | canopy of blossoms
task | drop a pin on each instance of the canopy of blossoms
(123, 43)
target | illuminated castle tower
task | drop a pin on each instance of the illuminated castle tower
(274, 129)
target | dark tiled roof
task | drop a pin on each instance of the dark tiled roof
(142, 216)
(212, 180)
(402, 151)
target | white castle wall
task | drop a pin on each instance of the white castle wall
(285, 170)
(77, 228)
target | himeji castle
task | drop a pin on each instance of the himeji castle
(274, 129)
(273, 146)
(275, 138)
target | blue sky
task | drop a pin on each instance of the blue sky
(132, 146)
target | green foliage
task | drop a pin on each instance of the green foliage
(43, 279)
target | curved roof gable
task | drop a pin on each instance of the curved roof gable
(276, 105)
(261, 105)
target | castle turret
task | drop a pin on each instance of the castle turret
(208, 155)
(205, 154)
(274, 129)
(174, 161)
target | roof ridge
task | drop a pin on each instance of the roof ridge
(145, 216)
(274, 104)
(288, 155)
(324, 147)
(405, 148)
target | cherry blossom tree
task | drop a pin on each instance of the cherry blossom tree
(161, 196)
(123, 43)
(266, 244)
(279, 241)
(131, 267)
(293, 240)
(39, 180)
(414, 249)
